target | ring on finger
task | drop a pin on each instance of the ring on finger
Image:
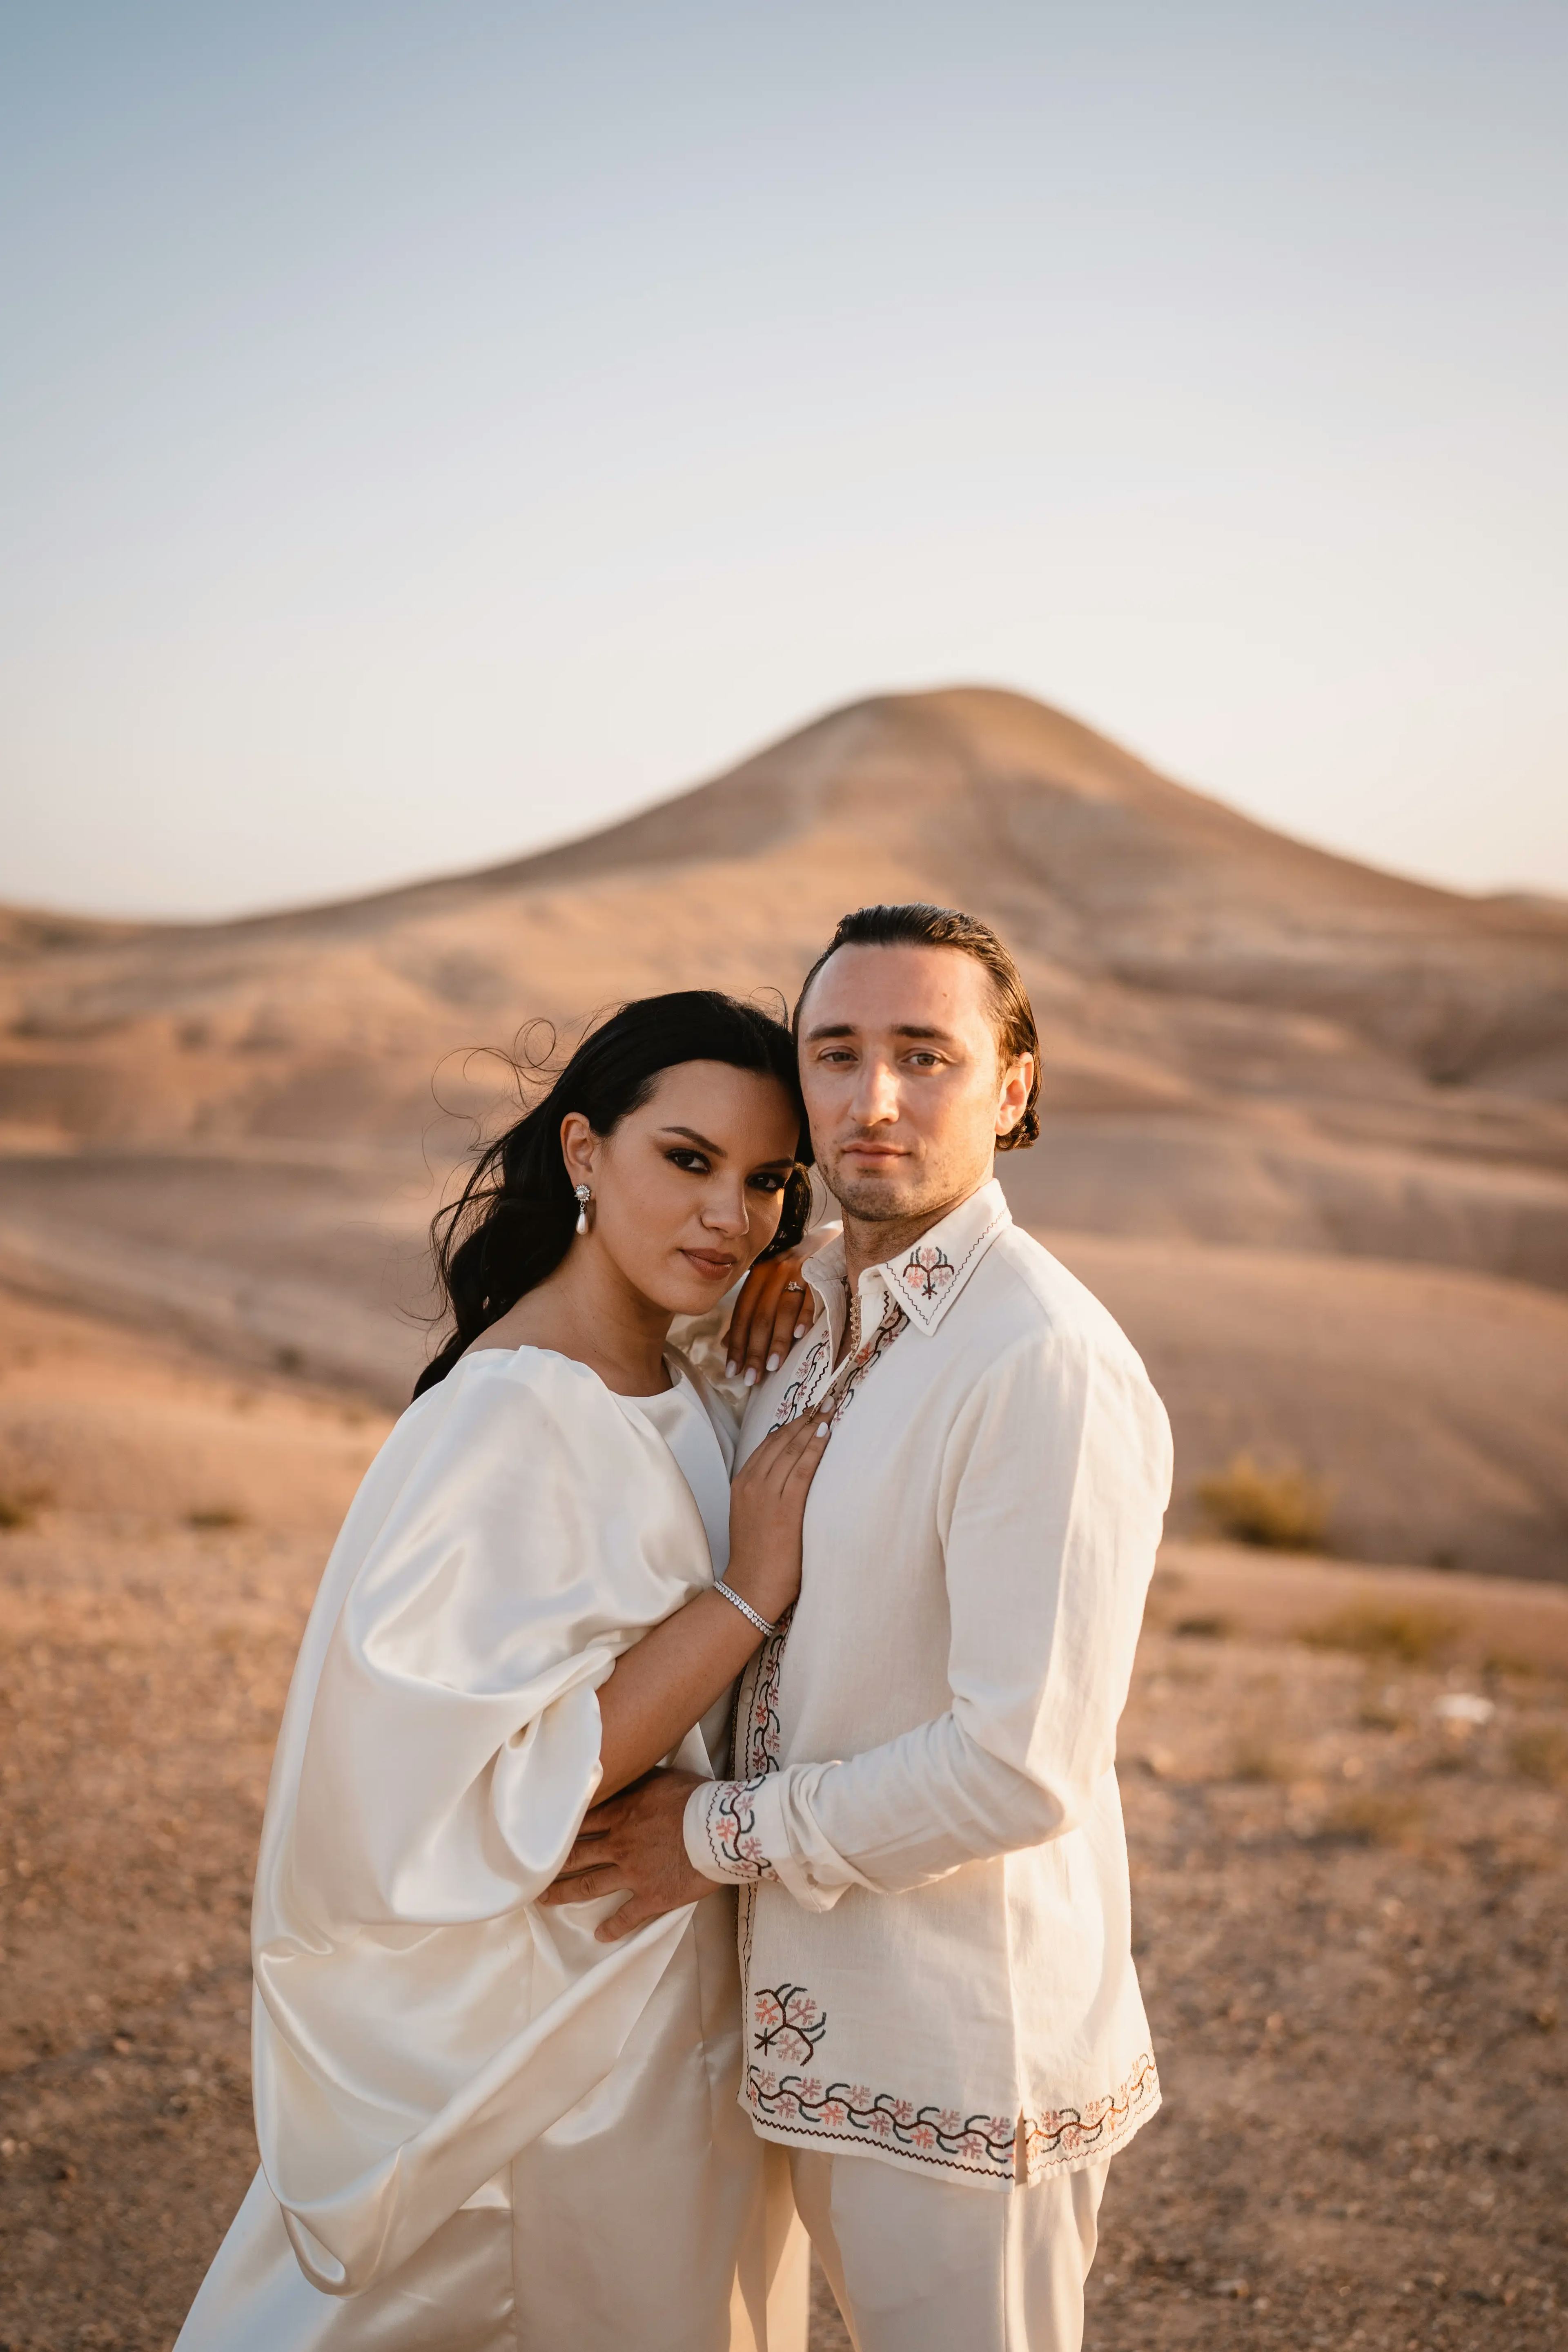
(794, 1285)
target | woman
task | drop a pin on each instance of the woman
(481, 2126)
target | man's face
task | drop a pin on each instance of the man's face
(903, 1078)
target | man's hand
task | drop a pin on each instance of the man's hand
(633, 1845)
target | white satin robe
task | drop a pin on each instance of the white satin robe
(480, 2130)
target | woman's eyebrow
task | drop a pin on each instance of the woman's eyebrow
(701, 1142)
(780, 1160)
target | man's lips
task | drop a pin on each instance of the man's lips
(872, 1151)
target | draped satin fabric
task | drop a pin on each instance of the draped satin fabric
(478, 2127)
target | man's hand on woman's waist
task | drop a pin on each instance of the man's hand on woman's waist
(634, 1846)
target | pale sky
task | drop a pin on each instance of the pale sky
(428, 431)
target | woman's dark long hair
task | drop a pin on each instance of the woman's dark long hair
(513, 1222)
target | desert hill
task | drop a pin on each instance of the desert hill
(1271, 1070)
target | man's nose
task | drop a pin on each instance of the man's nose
(876, 1097)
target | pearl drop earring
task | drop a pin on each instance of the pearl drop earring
(583, 1198)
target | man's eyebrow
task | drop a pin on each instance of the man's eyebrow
(899, 1029)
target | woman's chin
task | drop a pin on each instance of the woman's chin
(687, 1292)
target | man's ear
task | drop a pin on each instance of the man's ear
(1015, 1094)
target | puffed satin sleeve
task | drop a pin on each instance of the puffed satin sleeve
(418, 2018)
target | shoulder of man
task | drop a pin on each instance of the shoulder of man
(1022, 1293)
(1042, 1344)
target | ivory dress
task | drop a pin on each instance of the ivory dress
(480, 2130)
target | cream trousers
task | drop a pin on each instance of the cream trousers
(922, 2265)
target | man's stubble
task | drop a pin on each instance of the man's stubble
(873, 1201)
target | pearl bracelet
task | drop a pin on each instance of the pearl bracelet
(746, 1608)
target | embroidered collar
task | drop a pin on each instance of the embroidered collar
(926, 1279)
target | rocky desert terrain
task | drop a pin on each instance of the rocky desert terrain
(1306, 1133)
(1346, 1792)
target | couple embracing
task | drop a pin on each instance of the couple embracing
(584, 1979)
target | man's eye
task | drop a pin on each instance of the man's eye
(836, 1053)
(927, 1061)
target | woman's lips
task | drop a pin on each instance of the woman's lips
(711, 1261)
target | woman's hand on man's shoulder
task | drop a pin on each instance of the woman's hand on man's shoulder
(774, 1308)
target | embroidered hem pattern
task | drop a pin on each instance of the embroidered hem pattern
(796, 2105)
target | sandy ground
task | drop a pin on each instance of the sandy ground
(1352, 1912)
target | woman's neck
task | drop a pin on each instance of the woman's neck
(588, 1310)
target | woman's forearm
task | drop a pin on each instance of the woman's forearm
(666, 1683)
(672, 1675)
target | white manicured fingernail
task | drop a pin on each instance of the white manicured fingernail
(773, 1363)
(731, 1368)
(800, 1330)
(750, 1374)
(821, 1429)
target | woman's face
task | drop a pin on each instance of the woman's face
(689, 1189)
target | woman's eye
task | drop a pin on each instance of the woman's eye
(694, 1163)
(767, 1182)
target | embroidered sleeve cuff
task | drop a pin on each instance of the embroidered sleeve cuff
(739, 1831)
(720, 1830)
(784, 1827)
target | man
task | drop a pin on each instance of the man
(945, 2026)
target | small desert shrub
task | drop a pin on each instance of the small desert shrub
(1371, 1818)
(1202, 1629)
(1259, 1760)
(1412, 1635)
(1283, 1511)
(1381, 1712)
(216, 1515)
(1541, 1752)
(19, 1508)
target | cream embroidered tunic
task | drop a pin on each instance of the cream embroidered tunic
(935, 1933)
(480, 2130)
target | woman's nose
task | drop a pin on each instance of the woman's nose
(724, 1210)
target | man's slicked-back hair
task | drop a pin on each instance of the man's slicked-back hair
(920, 926)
